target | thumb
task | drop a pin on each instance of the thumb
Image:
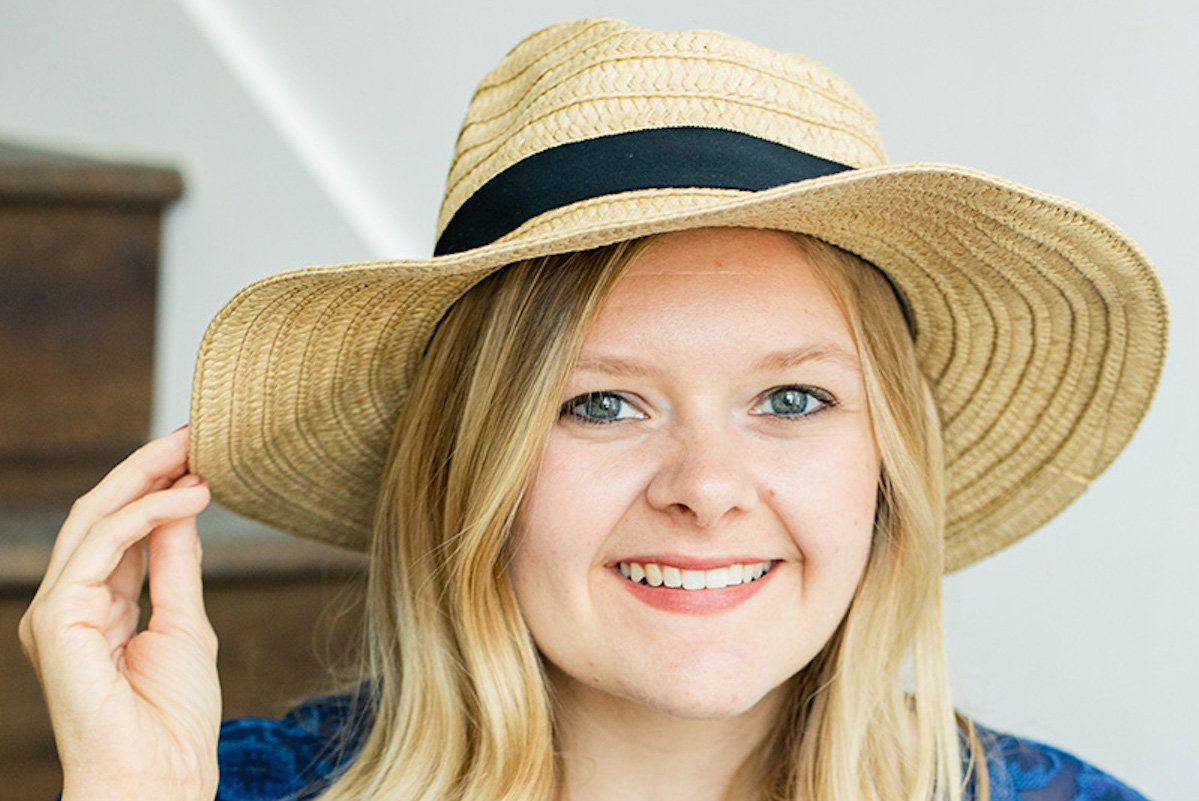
(174, 556)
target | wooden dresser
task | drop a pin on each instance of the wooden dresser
(79, 245)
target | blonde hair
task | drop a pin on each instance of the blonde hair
(854, 730)
(459, 703)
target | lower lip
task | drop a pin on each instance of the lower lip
(694, 602)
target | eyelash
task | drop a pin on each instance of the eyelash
(820, 396)
(569, 408)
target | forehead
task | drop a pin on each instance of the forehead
(736, 284)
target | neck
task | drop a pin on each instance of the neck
(617, 748)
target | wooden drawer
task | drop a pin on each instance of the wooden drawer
(79, 242)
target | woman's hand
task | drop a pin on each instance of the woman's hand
(135, 714)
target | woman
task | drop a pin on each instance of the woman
(659, 460)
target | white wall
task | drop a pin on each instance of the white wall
(318, 133)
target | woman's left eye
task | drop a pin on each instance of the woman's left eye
(794, 402)
(599, 408)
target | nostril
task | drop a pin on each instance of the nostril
(703, 477)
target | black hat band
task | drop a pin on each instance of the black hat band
(656, 158)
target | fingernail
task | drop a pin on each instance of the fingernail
(180, 428)
(190, 481)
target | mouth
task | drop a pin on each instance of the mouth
(655, 574)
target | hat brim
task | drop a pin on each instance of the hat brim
(1042, 325)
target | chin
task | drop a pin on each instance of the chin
(701, 709)
(703, 701)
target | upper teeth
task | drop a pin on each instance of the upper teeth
(656, 575)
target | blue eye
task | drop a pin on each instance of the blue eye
(599, 408)
(794, 402)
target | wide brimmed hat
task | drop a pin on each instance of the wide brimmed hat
(1042, 325)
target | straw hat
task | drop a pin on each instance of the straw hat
(1042, 325)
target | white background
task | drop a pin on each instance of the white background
(315, 133)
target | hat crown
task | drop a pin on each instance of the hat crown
(592, 78)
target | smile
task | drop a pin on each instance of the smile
(651, 574)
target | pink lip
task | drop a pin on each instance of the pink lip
(694, 602)
(691, 562)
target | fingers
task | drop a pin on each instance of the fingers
(153, 466)
(76, 630)
(125, 588)
(96, 557)
(99, 573)
(118, 699)
(150, 468)
(176, 587)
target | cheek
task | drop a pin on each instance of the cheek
(535, 565)
(578, 496)
(575, 501)
(829, 503)
(536, 551)
(546, 519)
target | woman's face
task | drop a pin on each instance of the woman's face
(715, 427)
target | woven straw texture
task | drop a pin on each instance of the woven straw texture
(1042, 325)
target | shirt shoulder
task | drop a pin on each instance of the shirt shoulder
(1025, 770)
(293, 757)
(296, 756)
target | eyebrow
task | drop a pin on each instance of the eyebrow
(826, 353)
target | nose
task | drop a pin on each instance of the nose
(702, 477)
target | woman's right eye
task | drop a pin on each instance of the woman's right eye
(598, 408)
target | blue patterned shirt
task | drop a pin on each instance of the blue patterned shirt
(294, 758)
